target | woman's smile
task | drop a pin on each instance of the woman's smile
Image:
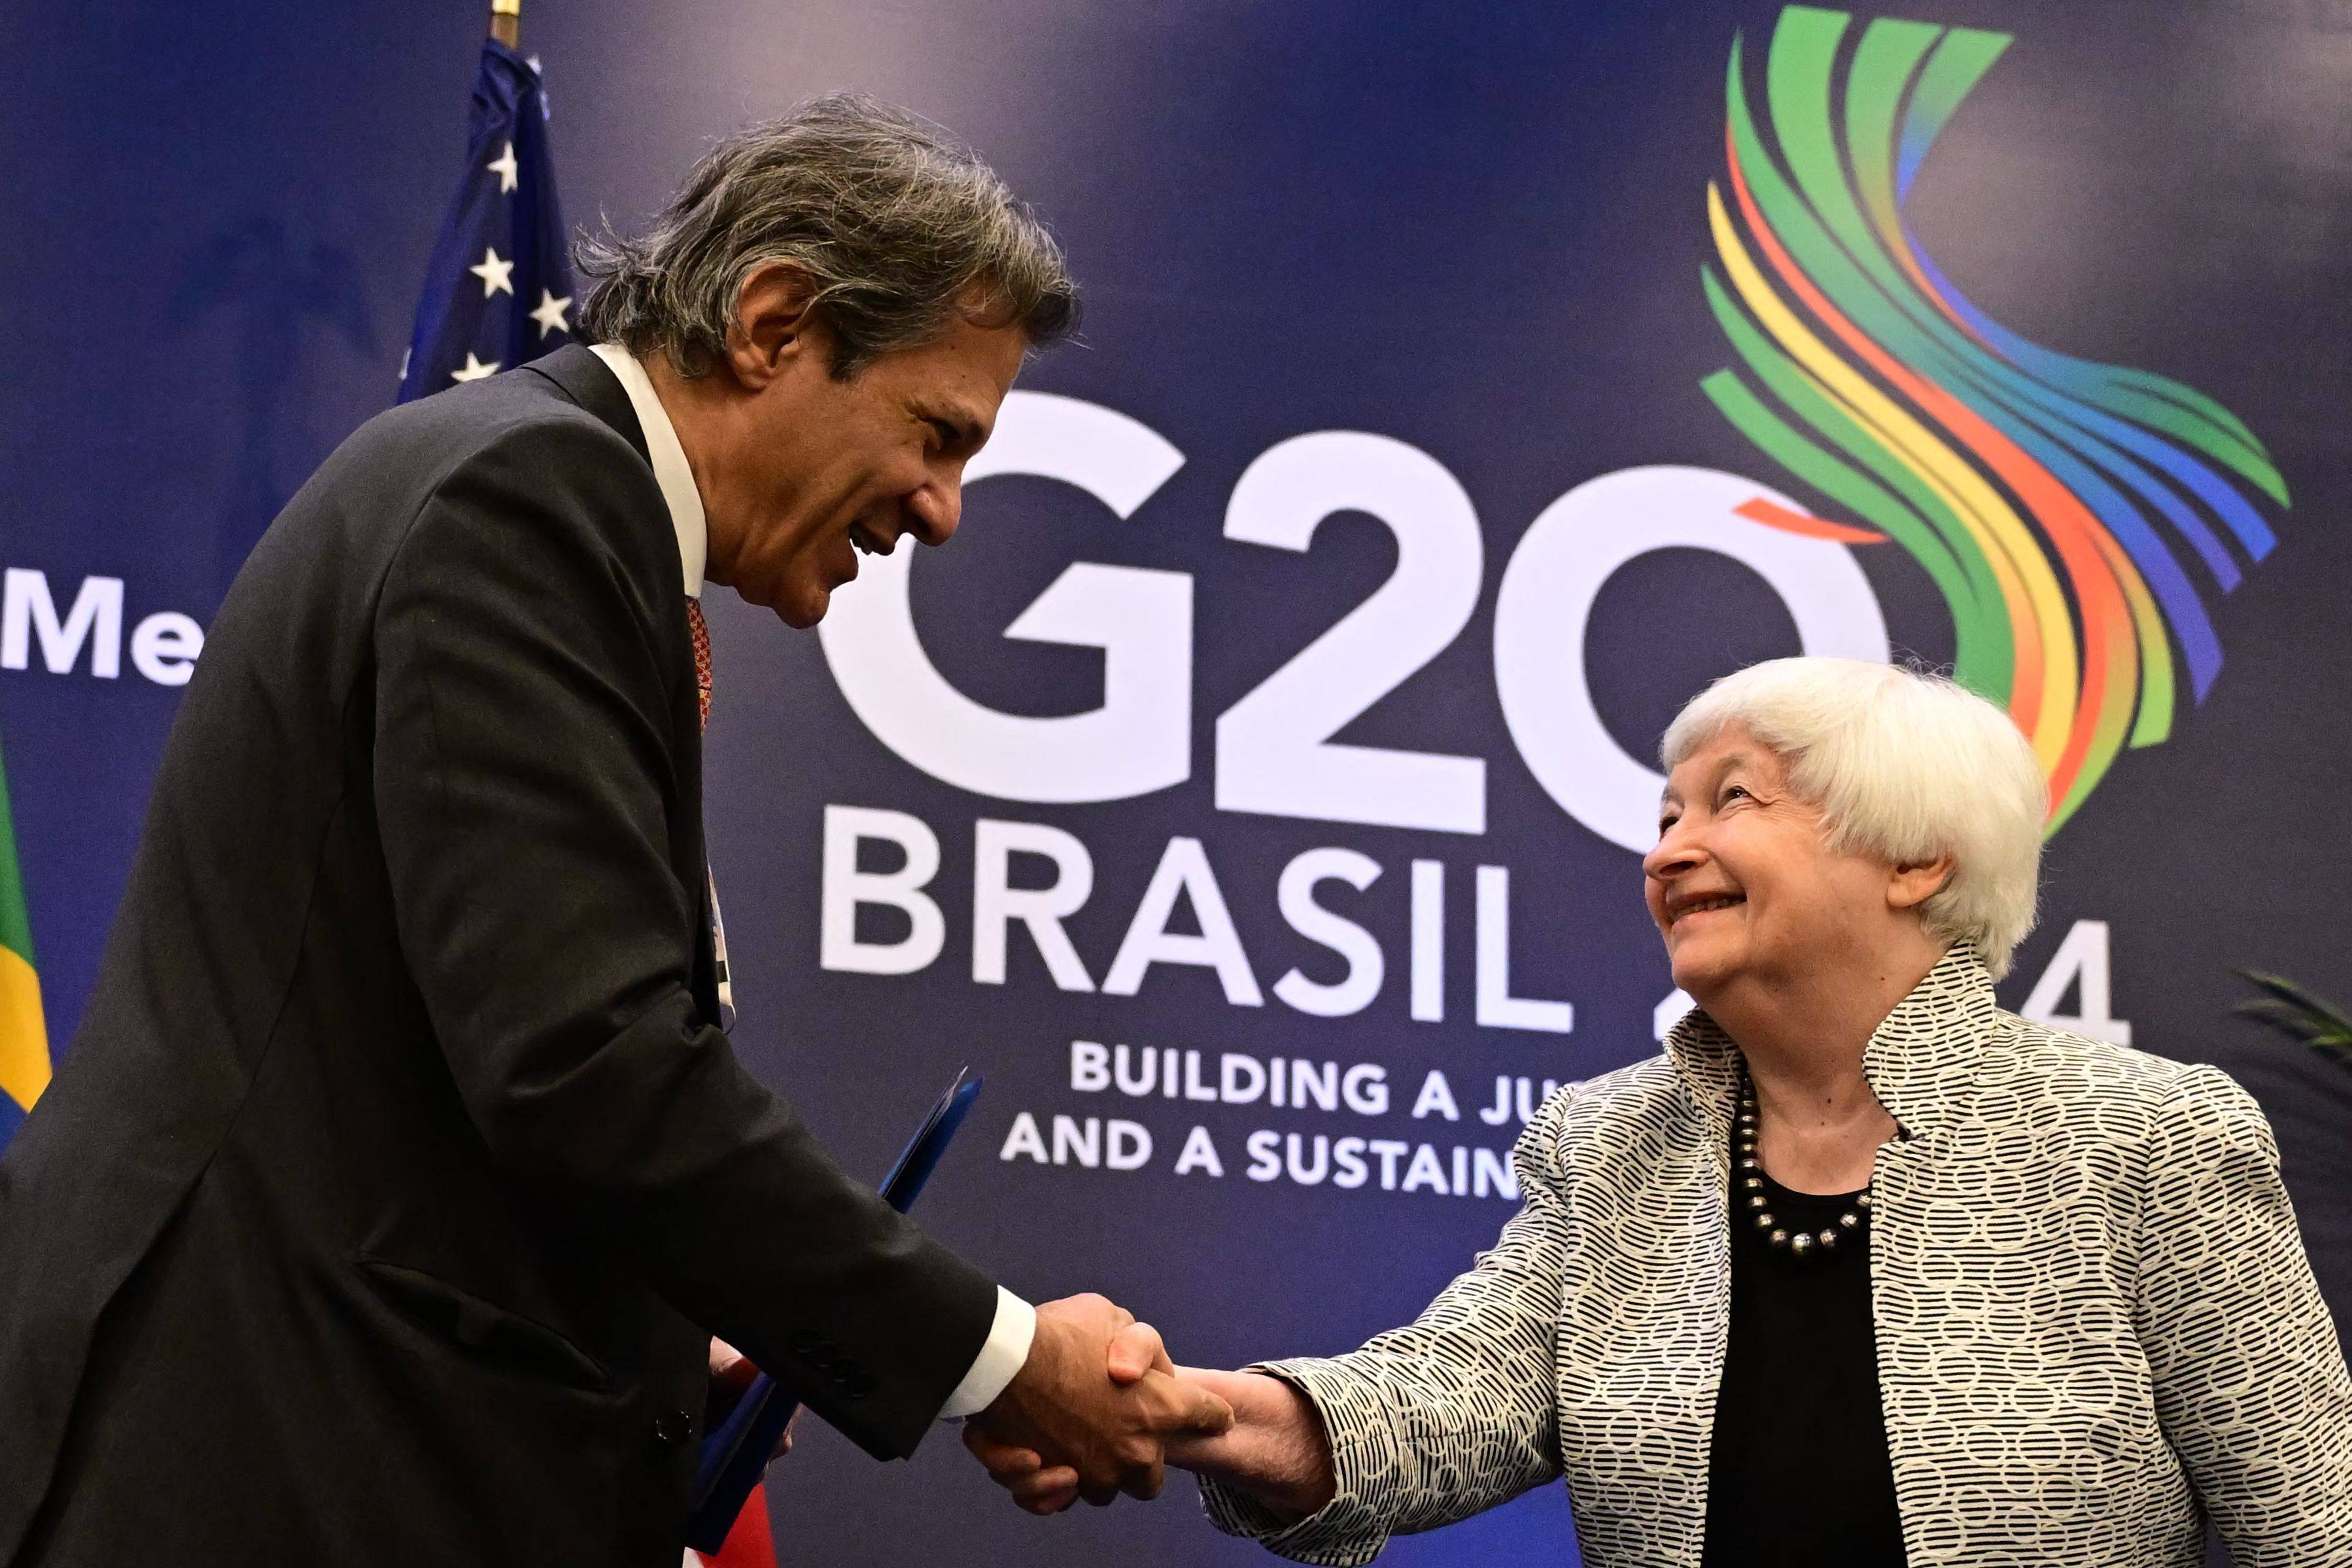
(1681, 908)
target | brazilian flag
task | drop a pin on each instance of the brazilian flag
(23, 1033)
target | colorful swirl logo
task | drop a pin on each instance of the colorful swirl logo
(2047, 496)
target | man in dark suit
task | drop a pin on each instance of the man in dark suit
(399, 1174)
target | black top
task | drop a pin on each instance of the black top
(1799, 1476)
(399, 1173)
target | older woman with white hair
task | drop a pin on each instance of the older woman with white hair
(1863, 1270)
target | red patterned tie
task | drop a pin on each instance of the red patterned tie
(701, 631)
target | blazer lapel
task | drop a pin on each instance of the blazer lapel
(588, 381)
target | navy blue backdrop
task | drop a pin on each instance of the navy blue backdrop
(1459, 250)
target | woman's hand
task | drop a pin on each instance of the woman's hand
(1276, 1451)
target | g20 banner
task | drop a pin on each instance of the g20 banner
(2050, 500)
(1254, 789)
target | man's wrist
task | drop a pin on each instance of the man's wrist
(1002, 1356)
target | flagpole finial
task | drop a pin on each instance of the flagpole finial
(506, 22)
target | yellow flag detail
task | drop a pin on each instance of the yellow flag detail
(24, 1032)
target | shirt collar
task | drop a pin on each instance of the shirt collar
(670, 470)
(1921, 1061)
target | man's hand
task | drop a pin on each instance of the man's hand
(1099, 1401)
(731, 1375)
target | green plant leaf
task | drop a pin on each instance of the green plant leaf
(2299, 1015)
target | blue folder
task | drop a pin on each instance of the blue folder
(735, 1455)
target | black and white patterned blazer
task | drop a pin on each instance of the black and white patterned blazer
(2097, 1326)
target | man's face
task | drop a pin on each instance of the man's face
(819, 469)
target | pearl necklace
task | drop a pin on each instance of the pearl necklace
(1749, 1177)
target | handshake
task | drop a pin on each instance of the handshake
(1098, 1404)
(1098, 1409)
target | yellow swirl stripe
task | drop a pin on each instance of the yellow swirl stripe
(2046, 651)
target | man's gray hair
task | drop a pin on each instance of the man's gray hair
(900, 228)
(1904, 766)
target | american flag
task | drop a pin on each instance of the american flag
(497, 292)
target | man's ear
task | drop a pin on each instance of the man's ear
(1914, 884)
(774, 324)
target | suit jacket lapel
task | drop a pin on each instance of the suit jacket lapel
(588, 381)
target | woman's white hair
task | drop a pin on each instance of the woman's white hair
(1906, 767)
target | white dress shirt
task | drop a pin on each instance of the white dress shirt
(1007, 1348)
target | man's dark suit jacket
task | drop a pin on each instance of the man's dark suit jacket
(379, 1211)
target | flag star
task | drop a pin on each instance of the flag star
(495, 274)
(505, 167)
(473, 370)
(550, 314)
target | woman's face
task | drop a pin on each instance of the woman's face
(1743, 886)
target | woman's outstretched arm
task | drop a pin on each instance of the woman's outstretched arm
(1425, 1425)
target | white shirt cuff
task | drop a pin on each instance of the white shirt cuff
(1006, 1351)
